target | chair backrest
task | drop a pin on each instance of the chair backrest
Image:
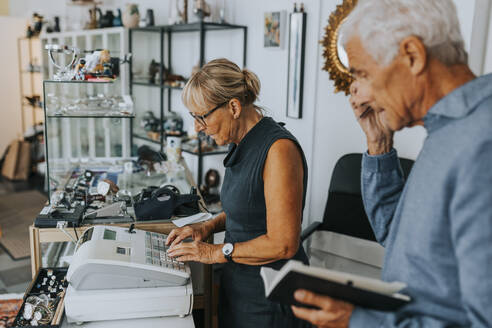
(344, 211)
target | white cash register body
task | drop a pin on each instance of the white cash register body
(117, 274)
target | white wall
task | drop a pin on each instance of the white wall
(327, 129)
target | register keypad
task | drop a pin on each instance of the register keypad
(156, 252)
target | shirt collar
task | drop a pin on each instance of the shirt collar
(236, 151)
(459, 103)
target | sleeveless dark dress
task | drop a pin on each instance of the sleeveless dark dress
(242, 301)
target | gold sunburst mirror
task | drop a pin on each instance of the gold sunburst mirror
(336, 61)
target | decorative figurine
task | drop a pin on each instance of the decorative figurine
(149, 122)
(201, 9)
(92, 23)
(80, 70)
(210, 190)
(29, 32)
(183, 15)
(107, 19)
(117, 19)
(56, 28)
(131, 16)
(173, 124)
(154, 72)
(38, 23)
(149, 18)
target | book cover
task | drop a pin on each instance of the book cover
(358, 290)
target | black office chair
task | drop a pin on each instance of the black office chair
(344, 211)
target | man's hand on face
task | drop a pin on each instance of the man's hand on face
(331, 313)
(379, 136)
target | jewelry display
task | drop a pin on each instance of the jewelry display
(43, 303)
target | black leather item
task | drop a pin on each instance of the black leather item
(344, 211)
(162, 203)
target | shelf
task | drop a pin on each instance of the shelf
(138, 136)
(155, 85)
(27, 105)
(31, 72)
(80, 82)
(192, 27)
(221, 150)
(91, 116)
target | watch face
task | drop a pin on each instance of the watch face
(227, 249)
(103, 188)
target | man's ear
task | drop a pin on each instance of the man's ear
(235, 108)
(414, 54)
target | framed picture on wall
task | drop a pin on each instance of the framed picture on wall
(295, 76)
(274, 27)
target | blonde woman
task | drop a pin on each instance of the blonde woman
(263, 196)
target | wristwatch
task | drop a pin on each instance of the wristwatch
(227, 250)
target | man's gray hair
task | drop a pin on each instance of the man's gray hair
(382, 24)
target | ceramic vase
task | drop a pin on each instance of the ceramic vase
(131, 16)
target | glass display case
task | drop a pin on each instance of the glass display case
(90, 172)
(87, 125)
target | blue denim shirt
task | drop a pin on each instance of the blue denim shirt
(437, 226)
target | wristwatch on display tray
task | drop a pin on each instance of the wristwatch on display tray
(227, 250)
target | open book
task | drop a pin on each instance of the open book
(362, 291)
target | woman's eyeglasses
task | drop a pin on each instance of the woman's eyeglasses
(201, 118)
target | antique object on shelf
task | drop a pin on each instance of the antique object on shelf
(210, 189)
(201, 9)
(92, 23)
(173, 124)
(117, 19)
(222, 13)
(131, 16)
(106, 20)
(37, 23)
(149, 122)
(54, 27)
(336, 61)
(64, 72)
(182, 14)
(95, 66)
(173, 148)
(154, 71)
(149, 18)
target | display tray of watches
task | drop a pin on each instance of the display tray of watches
(43, 302)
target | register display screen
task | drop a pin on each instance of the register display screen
(109, 234)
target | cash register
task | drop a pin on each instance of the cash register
(124, 273)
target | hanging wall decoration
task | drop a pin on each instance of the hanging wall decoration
(297, 39)
(274, 27)
(336, 61)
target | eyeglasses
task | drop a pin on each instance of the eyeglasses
(201, 118)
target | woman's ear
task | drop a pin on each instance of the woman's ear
(235, 108)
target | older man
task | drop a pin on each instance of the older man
(411, 69)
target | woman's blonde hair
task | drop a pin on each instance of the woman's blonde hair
(219, 81)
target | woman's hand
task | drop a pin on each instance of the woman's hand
(198, 232)
(197, 251)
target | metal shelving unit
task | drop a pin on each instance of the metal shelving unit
(31, 76)
(166, 33)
